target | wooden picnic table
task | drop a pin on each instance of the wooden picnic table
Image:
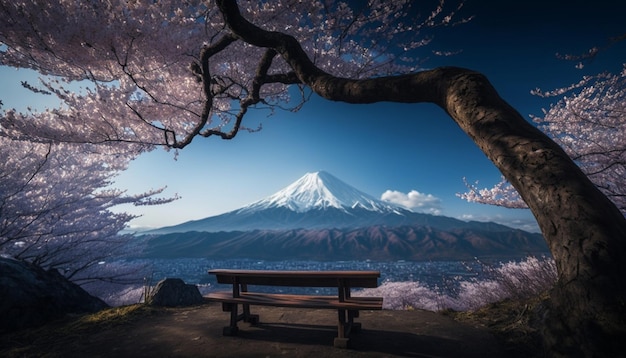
(347, 306)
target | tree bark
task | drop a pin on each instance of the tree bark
(586, 233)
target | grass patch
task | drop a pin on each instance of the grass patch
(115, 315)
(513, 322)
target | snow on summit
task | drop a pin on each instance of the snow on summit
(320, 190)
(317, 201)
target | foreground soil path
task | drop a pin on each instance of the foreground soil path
(197, 332)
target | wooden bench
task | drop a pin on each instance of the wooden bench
(348, 307)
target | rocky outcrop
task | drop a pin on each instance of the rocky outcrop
(174, 292)
(31, 296)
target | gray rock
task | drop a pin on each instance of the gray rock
(31, 296)
(174, 292)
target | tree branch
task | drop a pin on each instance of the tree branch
(205, 74)
(583, 228)
(253, 97)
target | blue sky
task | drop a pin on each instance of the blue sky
(383, 146)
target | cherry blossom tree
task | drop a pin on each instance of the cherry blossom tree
(589, 122)
(166, 72)
(55, 202)
(144, 89)
(510, 280)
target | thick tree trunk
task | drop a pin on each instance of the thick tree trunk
(586, 233)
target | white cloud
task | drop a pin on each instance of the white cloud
(414, 200)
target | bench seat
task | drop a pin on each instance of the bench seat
(299, 301)
(347, 306)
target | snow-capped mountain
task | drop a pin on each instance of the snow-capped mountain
(318, 201)
(319, 217)
(321, 190)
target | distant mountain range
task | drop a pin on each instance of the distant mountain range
(319, 217)
(320, 201)
(417, 243)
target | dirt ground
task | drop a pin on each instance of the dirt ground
(197, 332)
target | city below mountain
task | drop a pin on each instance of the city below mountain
(319, 217)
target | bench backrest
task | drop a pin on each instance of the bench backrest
(365, 279)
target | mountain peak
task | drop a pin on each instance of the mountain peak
(320, 190)
(319, 201)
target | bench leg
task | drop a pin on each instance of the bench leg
(233, 308)
(235, 317)
(353, 326)
(345, 326)
(342, 340)
(253, 319)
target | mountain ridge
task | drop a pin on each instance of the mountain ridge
(319, 217)
(316, 201)
(415, 243)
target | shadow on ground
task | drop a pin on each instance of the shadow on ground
(197, 332)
